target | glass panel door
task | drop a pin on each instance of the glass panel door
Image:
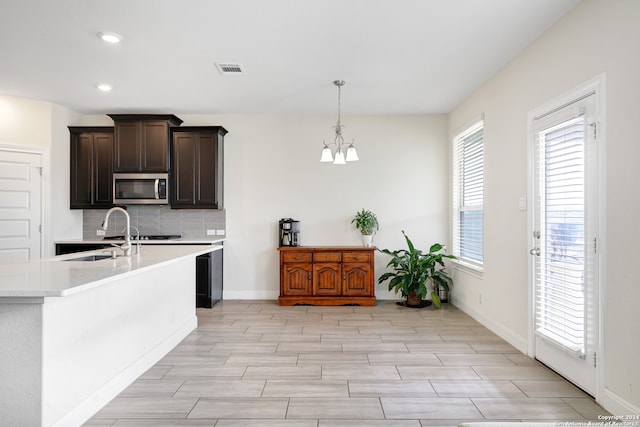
(565, 219)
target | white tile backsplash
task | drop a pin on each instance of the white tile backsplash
(190, 223)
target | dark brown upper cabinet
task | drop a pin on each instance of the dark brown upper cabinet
(91, 167)
(197, 169)
(141, 142)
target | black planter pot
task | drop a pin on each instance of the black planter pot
(443, 294)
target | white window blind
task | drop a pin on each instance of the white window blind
(560, 274)
(468, 195)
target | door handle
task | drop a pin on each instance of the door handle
(535, 251)
(156, 189)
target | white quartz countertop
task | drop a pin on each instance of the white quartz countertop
(99, 240)
(59, 277)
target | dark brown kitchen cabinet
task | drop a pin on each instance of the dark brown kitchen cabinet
(91, 167)
(70, 248)
(141, 142)
(209, 279)
(326, 275)
(197, 169)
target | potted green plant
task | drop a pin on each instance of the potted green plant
(367, 223)
(415, 273)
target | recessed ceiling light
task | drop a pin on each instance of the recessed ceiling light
(105, 87)
(110, 37)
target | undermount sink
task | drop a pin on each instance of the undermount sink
(89, 258)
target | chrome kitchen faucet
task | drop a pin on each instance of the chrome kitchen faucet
(126, 246)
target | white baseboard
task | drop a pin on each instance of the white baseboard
(617, 405)
(250, 295)
(271, 295)
(497, 328)
(81, 413)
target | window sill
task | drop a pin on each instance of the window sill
(465, 267)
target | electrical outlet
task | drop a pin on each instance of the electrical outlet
(220, 232)
(480, 298)
(211, 232)
(522, 203)
(101, 233)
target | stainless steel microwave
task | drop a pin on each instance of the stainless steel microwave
(141, 188)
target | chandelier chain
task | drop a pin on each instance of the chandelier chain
(339, 83)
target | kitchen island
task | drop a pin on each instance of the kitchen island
(75, 333)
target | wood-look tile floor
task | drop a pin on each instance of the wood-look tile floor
(254, 363)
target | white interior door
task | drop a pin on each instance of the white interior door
(565, 235)
(20, 205)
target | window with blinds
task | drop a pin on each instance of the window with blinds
(560, 272)
(468, 195)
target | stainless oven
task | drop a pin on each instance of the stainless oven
(141, 188)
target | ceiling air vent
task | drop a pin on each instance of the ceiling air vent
(229, 69)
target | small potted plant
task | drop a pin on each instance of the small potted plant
(367, 223)
(416, 273)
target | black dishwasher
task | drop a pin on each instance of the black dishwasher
(208, 279)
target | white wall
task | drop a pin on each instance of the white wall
(66, 221)
(25, 121)
(598, 36)
(273, 171)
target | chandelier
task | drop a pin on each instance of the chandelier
(338, 142)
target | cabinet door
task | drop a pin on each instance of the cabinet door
(154, 146)
(194, 164)
(91, 170)
(206, 184)
(357, 279)
(183, 161)
(203, 281)
(296, 279)
(326, 279)
(81, 170)
(127, 147)
(103, 169)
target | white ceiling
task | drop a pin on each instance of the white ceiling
(396, 56)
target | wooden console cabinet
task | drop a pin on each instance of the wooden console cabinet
(329, 275)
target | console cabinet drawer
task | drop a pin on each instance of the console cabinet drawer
(326, 257)
(356, 257)
(296, 256)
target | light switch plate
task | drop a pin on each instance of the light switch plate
(211, 232)
(101, 233)
(220, 232)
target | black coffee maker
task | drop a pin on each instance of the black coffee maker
(289, 232)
